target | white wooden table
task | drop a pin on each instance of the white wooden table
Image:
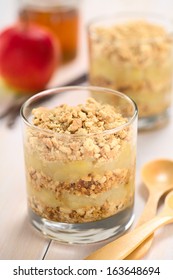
(18, 239)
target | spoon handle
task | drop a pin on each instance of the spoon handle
(148, 213)
(123, 246)
(150, 208)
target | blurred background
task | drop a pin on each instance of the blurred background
(89, 9)
(72, 32)
(92, 8)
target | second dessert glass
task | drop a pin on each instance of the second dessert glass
(80, 162)
(133, 53)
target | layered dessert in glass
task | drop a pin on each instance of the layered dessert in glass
(80, 162)
(133, 54)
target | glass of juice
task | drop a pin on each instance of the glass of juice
(60, 16)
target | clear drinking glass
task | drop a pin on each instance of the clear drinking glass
(133, 53)
(80, 180)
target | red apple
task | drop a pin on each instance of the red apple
(28, 57)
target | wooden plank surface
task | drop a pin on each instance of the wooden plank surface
(18, 239)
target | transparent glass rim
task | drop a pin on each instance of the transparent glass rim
(55, 91)
(137, 15)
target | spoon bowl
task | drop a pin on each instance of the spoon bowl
(158, 174)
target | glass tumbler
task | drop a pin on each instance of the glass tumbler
(80, 153)
(60, 17)
(133, 53)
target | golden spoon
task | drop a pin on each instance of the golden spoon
(123, 246)
(158, 178)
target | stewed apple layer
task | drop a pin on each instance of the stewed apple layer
(74, 170)
(150, 87)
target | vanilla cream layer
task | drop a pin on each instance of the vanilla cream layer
(115, 195)
(75, 170)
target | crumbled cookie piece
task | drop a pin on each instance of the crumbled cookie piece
(92, 117)
(135, 41)
(91, 120)
(88, 185)
(81, 215)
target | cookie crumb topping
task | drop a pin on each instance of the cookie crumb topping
(92, 117)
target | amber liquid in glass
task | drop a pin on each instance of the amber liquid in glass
(62, 21)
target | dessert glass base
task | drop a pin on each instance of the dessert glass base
(84, 232)
(154, 122)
